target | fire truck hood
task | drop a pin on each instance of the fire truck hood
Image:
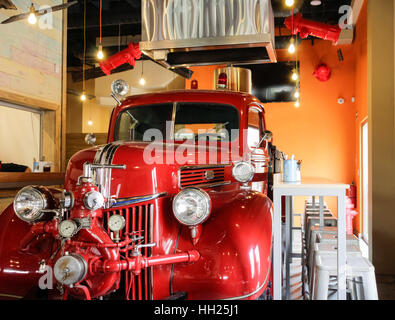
(151, 167)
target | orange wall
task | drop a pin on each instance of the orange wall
(321, 133)
(204, 75)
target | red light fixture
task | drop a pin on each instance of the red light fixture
(194, 85)
(222, 81)
(322, 72)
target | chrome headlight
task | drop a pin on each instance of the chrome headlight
(120, 88)
(29, 203)
(191, 206)
(243, 171)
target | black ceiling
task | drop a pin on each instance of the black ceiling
(125, 16)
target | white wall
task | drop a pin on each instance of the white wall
(20, 133)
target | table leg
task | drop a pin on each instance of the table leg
(321, 211)
(287, 246)
(341, 243)
(277, 246)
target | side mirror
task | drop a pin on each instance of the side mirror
(267, 135)
(90, 139)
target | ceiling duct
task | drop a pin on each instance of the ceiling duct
(208, 32)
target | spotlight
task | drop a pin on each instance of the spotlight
(100, 54)
(289, 3)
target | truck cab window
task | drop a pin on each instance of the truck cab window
(193, 121)
(255, 127)
(134, 122)
(205, 121)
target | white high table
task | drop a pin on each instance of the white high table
(307, 187)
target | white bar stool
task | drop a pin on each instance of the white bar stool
(330, 248)
(332, 238)
(311, 235)
(315, 214)
(315, 221)
(326, 266)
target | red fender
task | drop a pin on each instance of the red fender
(19, 269)
(232, 265)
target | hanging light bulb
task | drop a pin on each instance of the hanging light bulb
(289, 3)
(90, 122)
(297, 104)
(294, 76)
(142, 80)
(32, 18)
(292, 48)
(83, 96)
(297, 95)
(100, 54)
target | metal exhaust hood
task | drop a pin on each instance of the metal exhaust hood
(179, 33)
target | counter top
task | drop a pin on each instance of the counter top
(10, 180)
(311, 182)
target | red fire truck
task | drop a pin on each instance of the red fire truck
(173, 206)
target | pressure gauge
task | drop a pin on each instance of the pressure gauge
(68, 228)
(93, 200)
(116, 223)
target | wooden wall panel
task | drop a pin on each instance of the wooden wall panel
(76, 142)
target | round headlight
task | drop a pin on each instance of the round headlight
(120, 88)
(29, 203)
(243, 171)
(191, 206)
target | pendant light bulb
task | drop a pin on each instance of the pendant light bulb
(32, 18)
(83, 96)
(142, 80)
(292, 48)
(289, 3)
(294, 76)
(297, 94)
(297, 104)
(100, 54)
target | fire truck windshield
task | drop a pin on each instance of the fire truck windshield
(192, 121)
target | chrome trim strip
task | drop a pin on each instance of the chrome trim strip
(209, 185)
(120, 202)
(105, 155)
(206, 166)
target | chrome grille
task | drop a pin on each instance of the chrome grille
(138, 222)
(196, 176)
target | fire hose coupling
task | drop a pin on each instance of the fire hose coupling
(136, 263)
(70, 269)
